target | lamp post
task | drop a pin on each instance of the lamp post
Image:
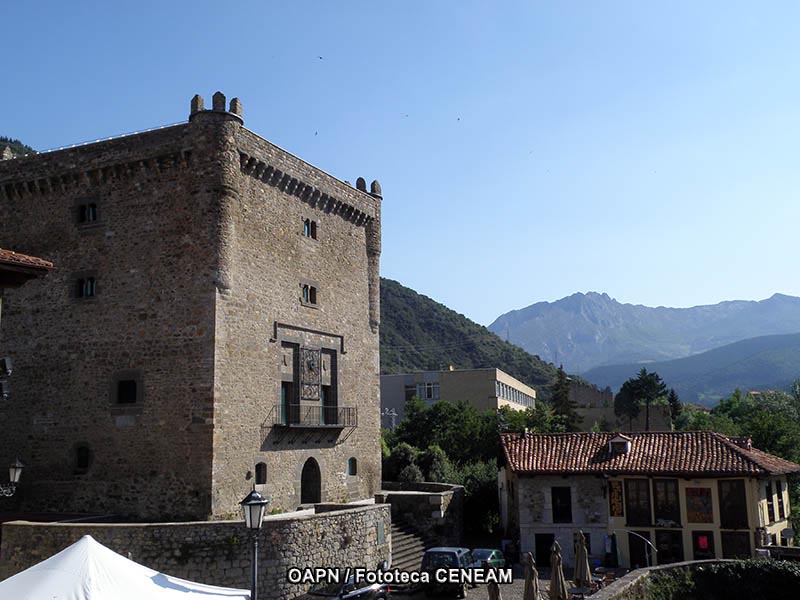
(253, 507)
(14, 473)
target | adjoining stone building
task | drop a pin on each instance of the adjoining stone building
(212, 324)
(691, 495)
(485, 389)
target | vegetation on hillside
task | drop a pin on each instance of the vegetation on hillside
(17, 147)
(418, 333)
(454, 443)
(766, 362)
(770, 419)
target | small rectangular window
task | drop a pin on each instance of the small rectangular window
(85, 287)
(770, 503)
(666, 503)
(781, 508)
(261, 473)
(86, 213)
(732, 504)
(703, 545)
(637, 502)
(735, 544)
(310, 229)
(562, 504)
(669, 546)
(308, 294)
(126, 391)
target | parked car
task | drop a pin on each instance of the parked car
(446, 558)
(349, 590)
(489, 557)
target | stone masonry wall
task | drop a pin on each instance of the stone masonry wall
(152, 319)
(267, 260)
(434, 510)
(218, 552)
(589, 514)
(198, 256)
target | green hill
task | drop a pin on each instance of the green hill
(17, 147)
(760, 363)
(418, 333)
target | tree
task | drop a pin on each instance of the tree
(626, 402)
(403, 455)
(675, 405)
(644, 389)
(562, 403)
(434, 464)
(411, 474)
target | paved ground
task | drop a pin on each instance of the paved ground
(511, 591)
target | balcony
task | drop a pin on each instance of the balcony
(301, 416)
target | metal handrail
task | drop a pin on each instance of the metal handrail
(649, 543)
(299, 415)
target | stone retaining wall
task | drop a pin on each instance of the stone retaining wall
(218, 552)
(435, 510)
(632, 586)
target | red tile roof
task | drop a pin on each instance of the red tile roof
(692, 453)
(9, 257)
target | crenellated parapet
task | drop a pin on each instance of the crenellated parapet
(197, 108)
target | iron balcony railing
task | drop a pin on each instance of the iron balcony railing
(299, 415)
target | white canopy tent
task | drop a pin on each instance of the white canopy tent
(87, 570)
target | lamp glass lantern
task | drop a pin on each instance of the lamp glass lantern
(253, 508)
(15, 471)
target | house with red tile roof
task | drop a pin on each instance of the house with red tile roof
(16, 268)
(643, 498)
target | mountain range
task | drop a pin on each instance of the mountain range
(584, 331)
(762, 363)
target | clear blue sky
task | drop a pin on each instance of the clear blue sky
(527, 150)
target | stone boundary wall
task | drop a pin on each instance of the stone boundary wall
(632, 586)
(218, 552)
(434, 510)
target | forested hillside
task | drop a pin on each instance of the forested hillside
(764, 363)
(17, 147)
(418, 333)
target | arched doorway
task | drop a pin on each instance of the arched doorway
(310, 483)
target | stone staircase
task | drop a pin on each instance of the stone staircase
(408, 546)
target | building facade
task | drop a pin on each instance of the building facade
(485, 389)
(212, 325)
(643, 498)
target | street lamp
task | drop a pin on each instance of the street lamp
(14, 473)
(253, 508)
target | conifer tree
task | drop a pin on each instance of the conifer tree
(562, 403)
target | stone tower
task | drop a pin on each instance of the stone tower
(212, 325)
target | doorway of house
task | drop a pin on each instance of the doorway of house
(310, 483)
(542, 543)
(641, 552)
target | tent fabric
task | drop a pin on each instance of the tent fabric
(583, 574)
(558, 583)
(87, 570)
(531, 589)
